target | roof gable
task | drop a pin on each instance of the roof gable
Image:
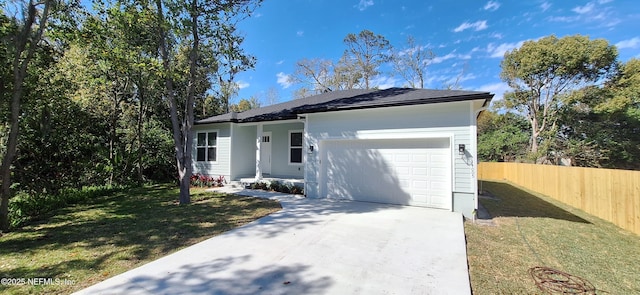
(346, 100)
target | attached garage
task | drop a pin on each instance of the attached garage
(401, 146)
(407, 171)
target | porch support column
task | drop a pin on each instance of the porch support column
(258, 145)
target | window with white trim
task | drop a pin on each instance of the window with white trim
(295, 147)
(206, 146)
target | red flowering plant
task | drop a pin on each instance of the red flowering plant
(199, 180)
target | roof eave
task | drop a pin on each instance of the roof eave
(293, 114)
(486, 96)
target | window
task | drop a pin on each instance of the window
(295, 147)
(207, 146)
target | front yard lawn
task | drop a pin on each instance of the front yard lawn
(533, 230)
(88, 243)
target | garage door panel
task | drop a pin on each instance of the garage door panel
(420, 171)
(403, 158)
(419, 157)
(420, 184)
(408, 172)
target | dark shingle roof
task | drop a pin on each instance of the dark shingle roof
(347, 100)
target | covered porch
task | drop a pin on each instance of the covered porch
(268, 152)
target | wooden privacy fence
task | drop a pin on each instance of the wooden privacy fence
(613, 195)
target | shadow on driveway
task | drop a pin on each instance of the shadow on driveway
(299, 212)
(206, 278)
(315, 246)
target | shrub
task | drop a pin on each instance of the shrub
(25, 207)
(278, 187)
(298, 190)
(198, 180)
(220, 181)
(275, 186)
(285, 189)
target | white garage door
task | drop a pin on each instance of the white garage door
(397, 171)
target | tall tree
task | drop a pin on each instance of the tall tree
(245, 105)
(368, 51)
(195, 25)
(412, 61)
(540, 72)
(347, 74)
(600, 126)
(29, 23)
(230, 59)
(501, 137)
(316, 74)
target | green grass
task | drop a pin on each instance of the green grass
(94, 241)
(534, 230)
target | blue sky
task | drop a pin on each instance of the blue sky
(469, 38)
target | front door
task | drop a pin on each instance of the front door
(265, 153)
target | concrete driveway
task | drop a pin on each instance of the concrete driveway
(315, 247)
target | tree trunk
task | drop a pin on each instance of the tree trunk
(141, 111)
(10, 154)
(19, 65)
(534, 135)
(184, 172)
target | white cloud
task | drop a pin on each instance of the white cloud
(594, 12)
(564, 19)
(280, 62)
(629, 43)
(242, 84)
(364, 4)
(414, 49)
(439, 59)
(459, 79)
(300, 33)
(496, 88)
(499, 50)
(584, 9)
(545, 6)
(383, 82)
(477, 26)
(284, 80)
(492, 5)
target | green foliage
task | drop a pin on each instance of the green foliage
(277, 186)
(366, 51)
(25, 207)
(541, 72)
(245, 105)
(502, 137)
(117, 232)
(600, 126)
(259, 185)
(625, 92)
